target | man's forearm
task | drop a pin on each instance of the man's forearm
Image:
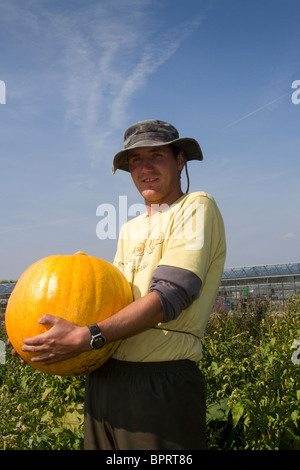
(136, 317)
(65, 340)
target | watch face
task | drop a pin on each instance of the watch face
(98, 341)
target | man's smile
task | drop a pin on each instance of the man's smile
(147, 180)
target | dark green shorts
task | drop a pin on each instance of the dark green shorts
(145, 406)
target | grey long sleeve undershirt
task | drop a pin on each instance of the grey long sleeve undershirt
(177, 288)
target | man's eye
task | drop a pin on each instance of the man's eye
(134, 160)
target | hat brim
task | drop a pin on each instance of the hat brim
(190, 147)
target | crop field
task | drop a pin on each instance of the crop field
(251, 365)
(253, 388)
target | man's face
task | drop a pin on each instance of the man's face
(156, 173)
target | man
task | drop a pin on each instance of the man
(151, 393)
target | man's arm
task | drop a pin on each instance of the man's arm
(66, 340)
(177, 289)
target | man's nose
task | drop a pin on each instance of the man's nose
(147, 163)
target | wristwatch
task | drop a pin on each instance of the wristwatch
(98, 340)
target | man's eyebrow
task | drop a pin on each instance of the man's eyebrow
(155, 149)
(133, 153)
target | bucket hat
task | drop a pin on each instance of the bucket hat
(151, 133)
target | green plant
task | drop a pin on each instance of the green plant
(256, 305)
(253, 387)
(293, 303)
(253, 391)
(39, 411)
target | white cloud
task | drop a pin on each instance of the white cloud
(105, 59)
(90, 61)
(289, 235)
(153, 56)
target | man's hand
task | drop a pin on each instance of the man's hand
(66, 340)
(63, 341)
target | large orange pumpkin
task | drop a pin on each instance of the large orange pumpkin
(79, 288)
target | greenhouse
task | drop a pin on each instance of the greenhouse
(5, 291)
(275, 282)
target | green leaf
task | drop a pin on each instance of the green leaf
(237, 411)
(47, 417)
(46, 393)
(217, 411)
(294, 416)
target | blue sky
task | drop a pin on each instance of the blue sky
(78, 73)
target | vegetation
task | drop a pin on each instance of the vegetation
(253, 383)
(293, 304)
(253, 389)
(39, 411)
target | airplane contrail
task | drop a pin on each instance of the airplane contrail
(255, 111)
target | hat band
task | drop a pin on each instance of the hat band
(147, 139)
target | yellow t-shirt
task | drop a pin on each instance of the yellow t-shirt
(189, 234)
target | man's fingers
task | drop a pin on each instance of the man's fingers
(46, 357)
(48, 319)
(37, 348)
(34, 341)
(39, 340)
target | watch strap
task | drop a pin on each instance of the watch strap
(94, 329)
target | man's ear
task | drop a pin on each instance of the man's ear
(180, 160)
